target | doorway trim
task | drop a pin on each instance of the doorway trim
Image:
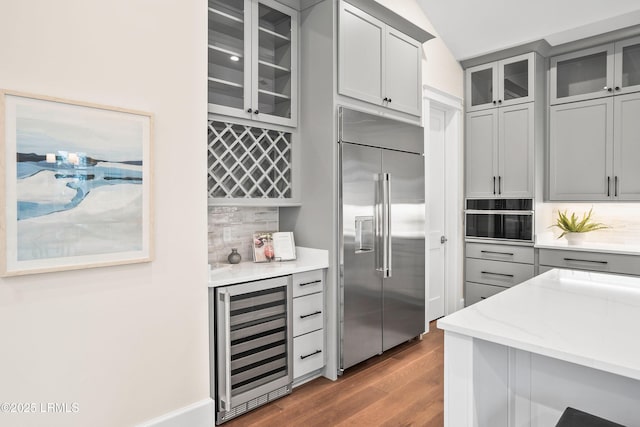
(453, 108)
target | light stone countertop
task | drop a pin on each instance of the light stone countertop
(581, 317)
(308, 259)
(544, 241)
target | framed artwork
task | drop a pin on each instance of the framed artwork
(75, 185)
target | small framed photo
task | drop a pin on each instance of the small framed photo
(76, 180)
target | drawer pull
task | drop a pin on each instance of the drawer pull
(310, 283)
(497, 274)
(310, 354)
(586, 260)
(499, 253)
(304, 316)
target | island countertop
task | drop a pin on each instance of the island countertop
(586, 318)
(308, 259)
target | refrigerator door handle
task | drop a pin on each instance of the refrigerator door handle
(378, 223)
(386, 228)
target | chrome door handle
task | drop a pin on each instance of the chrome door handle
(443, 239)
(386, 191)
(378, 245)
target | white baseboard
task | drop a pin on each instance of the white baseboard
(199, 414)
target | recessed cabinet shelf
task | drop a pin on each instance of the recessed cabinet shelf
(253, 46)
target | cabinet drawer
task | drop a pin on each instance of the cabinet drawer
(497, 273)
(593, 261)
(475, 292)
(308, 353)
(512, 253)
(308, 282)
(308, 314)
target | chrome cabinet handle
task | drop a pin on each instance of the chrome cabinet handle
(304, 316)
(497, 274)
(586, 260)
(302, 357)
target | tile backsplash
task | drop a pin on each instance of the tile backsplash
(623, 220)
(233, 227)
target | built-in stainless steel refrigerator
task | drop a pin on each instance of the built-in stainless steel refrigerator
(382, 234)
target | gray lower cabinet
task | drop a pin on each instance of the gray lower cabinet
(594, 150)
(492, 268)
(591, 261)
(308, 325)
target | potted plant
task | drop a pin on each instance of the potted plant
(573, 228)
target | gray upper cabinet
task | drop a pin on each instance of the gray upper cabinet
(597, 72)
(594, 151)
(377, 63)
(501, 83)
(580, 150)
(500, 152)
(253, 60)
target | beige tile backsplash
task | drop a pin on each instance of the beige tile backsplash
(233, 227)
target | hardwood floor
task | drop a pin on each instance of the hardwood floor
(402, 387)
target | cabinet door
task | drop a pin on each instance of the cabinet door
(581, 150)
(274, 63)
(515, 150)
(516, 80)
(582, 75)
(360, 53)
(627, 66)
(481, 160)
(481, 83)
(626, 147)
(403, 72)
(229, 57)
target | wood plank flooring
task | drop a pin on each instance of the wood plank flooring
(402, 387)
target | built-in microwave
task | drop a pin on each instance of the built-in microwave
(499, 219)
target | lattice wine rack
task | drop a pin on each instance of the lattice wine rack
(248, 162)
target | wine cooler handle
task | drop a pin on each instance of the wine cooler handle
(224, 361)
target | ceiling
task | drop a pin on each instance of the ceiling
(471, 27)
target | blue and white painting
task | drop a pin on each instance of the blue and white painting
(80, 181)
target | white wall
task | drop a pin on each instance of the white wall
(127, 343)
(439, 69)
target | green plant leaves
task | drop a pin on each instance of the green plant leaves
(574, 224)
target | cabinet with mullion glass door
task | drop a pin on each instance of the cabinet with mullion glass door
(501, 83)
(597, 72)
(253, 60)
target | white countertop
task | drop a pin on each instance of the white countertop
(307, 259)
(548, 242)
(591, 319)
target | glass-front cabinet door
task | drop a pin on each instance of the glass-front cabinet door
(501, 83)
(482, 86)
(276, 59)
(582, 75)
(252, 60)
(627, 66)
(516, 79)
(229, 44)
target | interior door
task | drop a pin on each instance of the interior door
(436, 207)
(403, 293)
(361, 302)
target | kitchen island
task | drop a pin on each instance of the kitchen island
(564, 338)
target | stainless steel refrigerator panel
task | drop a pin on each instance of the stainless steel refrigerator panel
(361, 302)
(376, 131)
(404, 290)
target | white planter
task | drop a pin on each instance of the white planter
(575, 238)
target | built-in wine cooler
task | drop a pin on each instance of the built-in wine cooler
(251, 346)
